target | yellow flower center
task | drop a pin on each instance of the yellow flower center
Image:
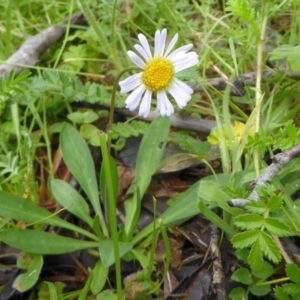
(158, 74)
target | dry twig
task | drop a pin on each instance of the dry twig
(279, 161)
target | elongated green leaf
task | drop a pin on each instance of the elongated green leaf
(212, 193)
(40, 242)
(107, 252)
(257, 207)
(33, 264)
(184, 207)
(149, 156)
(70, 199)
(245, 239)
(277, 227)
(255, 258)
(14, 207)
(269, 248)
(100, 273)
(209, 214)
(249, 222)
(78, 158)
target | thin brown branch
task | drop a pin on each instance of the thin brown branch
(279, 161)
(28, 54)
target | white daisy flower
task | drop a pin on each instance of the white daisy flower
(158, 75)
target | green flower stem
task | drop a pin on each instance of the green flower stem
(112, 212)
(113, 100)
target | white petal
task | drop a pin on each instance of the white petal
(183, 49)
(171, 45)
(145, 104)
(186, 62)
(136, 59)
(160, 41)
(142, 51)
(183, 86)
(180, 97)
(130, 83)
(164, 106)
(182, 57)
(145, 44)
(134, 98)
(156, 42)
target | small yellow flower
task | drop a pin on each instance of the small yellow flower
(158, 75)
(237, 132)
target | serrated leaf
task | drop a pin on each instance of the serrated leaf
(291, 289)
(257, 207)
(275, 203)
(242, 275)
(277, 227)
(255, 258)
(245, 239)
(269, 247)
(248, 222)
(293, 272)
(280, 294)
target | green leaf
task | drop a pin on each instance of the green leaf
(238, 293)
(40, 242)
(33, 264)
(248, 222)
(86, 117)
(245, 239)
(78, 159)
(150, 153)
(242, 275)
(70, 199)
(255, 258)
(277, 227)
(266, 271)
(107, 252)
(100, 275)
(269, 247)
(49, 290)
(214, 218)
(113, 179)
(275, 203)
(257, 207)
(291, 289)
(183, 208)
(260, 290)
(14, 207)
(212, 193)
(293, 272)
(242, 254)
(128, 129)
(91, 134)
(280, 294)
